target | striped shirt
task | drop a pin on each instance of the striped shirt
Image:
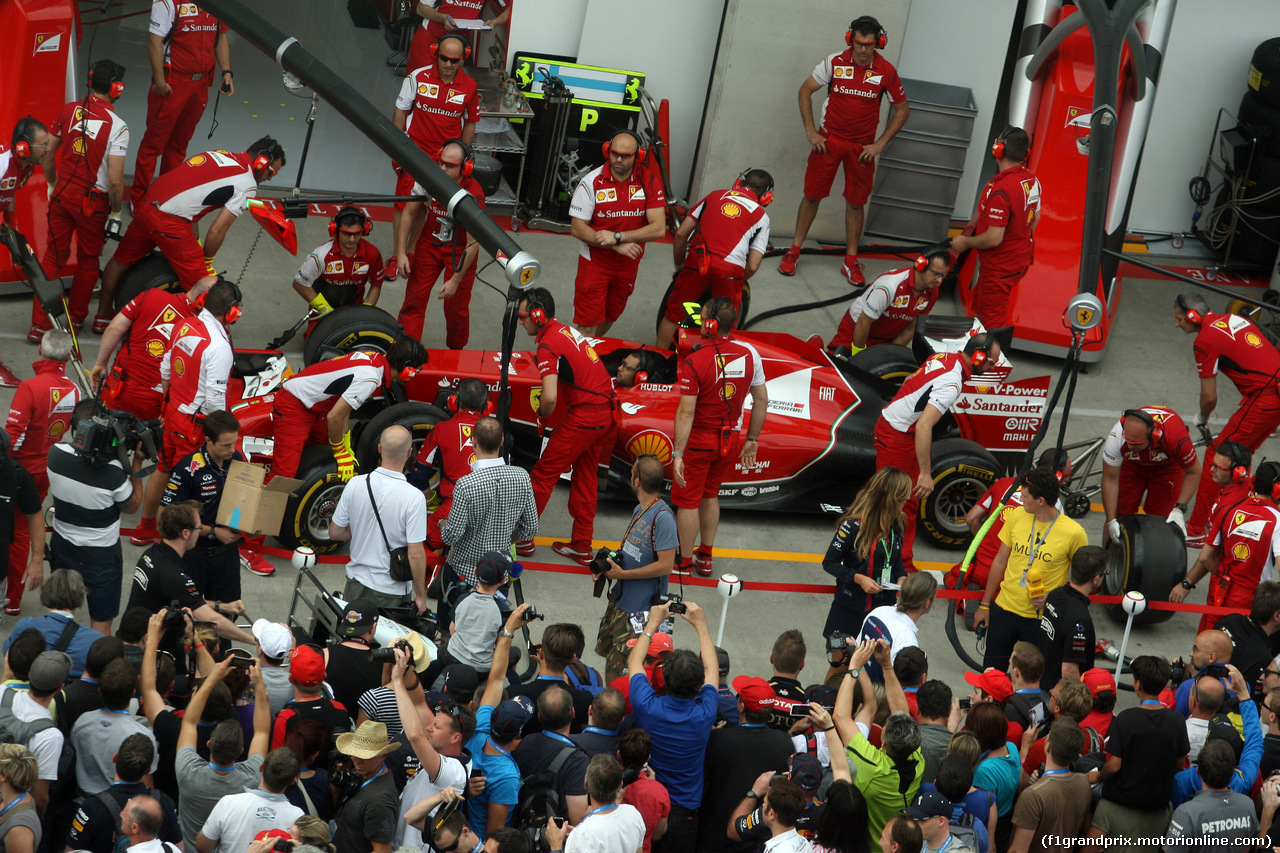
(86, 511)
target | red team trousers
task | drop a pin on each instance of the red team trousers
(20, 547)
(1251, 424)
(296, 428)
(1161, 485)
(898, 450)
(171, 120)
(86, 219)
(577, 443)
(428, 264)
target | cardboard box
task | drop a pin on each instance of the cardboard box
(249, 505)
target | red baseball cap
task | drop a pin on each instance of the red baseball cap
(756, 693)
(1098, 681)
(306, 665)
(661, 642)
(991, 681)
(272, 833)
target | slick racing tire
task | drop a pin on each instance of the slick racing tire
(962, 473)
(1150, 558)
(418, 418)
(310, 507)
(689, 322)
(887, 361)
(151, 272)
(355, 327)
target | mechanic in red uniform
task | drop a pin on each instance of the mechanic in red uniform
(845, 135)
(1148, 450)
(144, 329)
(39, 415)
(573, 377)
(194, 371)
(615, 210)
(1008, 211)
(442, 246)
(887, 311)
(86, 188)
(315, 406)
(1234, 345)
(449, 451)
(183, 44)
(179, 198)
(441, 16)
(718, 247)
(904, 430)
(1052, 459)
(716, 379)
(28, 148)
(347, 270)
(1243, 541)
(437, 102)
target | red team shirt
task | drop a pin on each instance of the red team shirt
(439, 229)
(458, 10)
(1233, 344)
(852, 108)
(205, 182)
(449, 449)
(190, 36)
(730, 224)
(40, 414)
(563, 352)
(197, 367)
(153, 315)
(1011, 201)
(1247, 535)
(339, 279)
(609, 205)
(94, 131)
(437, 110)
(720, 373)
(354, 377)
(1174, 447)
(892, 304)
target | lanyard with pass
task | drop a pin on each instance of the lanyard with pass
(886, 568)
(1032, 551)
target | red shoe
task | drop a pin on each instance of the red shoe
(579, 552)
(526, 548)
(684, 568)
(1196, 542)
(12, 609)
(146, 533)
(789, 260)
(391, 270)
(852, 271)
(36, 334)
(100, 324)
(702, 562)
(256, 563)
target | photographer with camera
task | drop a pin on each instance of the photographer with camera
(90, 489)
(38, 417)
(477, 618)
(639, 569)
(161, 582)
(366, 818)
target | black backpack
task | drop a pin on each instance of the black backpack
(1023, 705)
(1092, 756)
(542, 794)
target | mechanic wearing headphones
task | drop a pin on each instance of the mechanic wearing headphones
(165, 217)
(904, 430)
(440, 17)
(315, 406)
(1008, 211)
(1233, 344)
(715, 380)
(449, 450)
(886, 311)
(855, 79)
(1148, 450)
(347, 270)
(144, 329)
(442, 245)
(1231, 551)
(616, 209)
(195, 370)
(718, 247)
(574, 377)
(28, 149)
(183, 43)
(438, 102)
(86, 190)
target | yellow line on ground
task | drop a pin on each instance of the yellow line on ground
(767, 556)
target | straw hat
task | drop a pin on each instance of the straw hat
(368, 741)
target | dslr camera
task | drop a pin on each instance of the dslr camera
(600, 565)
(532, 613)
(175, 618)
(110, 434)
(388, 654)
(676, 603)
(837, 644)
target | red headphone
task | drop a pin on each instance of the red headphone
(1239, 468)
(349, 211)
(1155, 430)
(710, 322)
(22, 134)
(466, 45)
(117, 77)
(742, 186)
(407, 373)
(1192, 315)
(451, 403)
(262, 162)
(468, 160)
(882, 38)
(641, 152)
(998, 147)
(536, 312)
(234, 313)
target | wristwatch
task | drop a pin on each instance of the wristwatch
(503, 632)
(752, 795)
(617, 236)
(1182, 507)
(1186, 584)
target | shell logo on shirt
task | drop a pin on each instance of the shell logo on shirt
(727, 390)
(179, 366)
(731, 210)
(56, 428)
(1240, 552)
(77, 145)
(334, 268)
(651, 441)
(186, 10)
(1253, 340)
(8, 183)
(431, 90)
(155, 348)
(607, 195)
(901, 302)
(197, 160)
(842, 71)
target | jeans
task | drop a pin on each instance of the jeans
(682, 832)
(102, 583)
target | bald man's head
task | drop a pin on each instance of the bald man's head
(1209, 694)
(142, 817)
(1211, 647)
(394, 445)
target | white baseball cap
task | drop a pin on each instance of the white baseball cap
(275, 638)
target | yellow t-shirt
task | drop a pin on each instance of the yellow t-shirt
(1021, 532)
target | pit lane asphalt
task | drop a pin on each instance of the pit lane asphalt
(1148, 361)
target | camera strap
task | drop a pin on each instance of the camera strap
(377, 514)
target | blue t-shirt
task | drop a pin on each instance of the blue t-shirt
(976, 804)
(679, 728)
(654, 530)
(502, 784)
(51, 625)
(1000, 776)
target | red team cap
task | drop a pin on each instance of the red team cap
(991, 681)
(756, 693)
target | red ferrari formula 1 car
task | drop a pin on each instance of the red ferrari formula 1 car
(815, 453)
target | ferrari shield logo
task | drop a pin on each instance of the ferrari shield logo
(526, 275)
(1083, 316)
(535, 398)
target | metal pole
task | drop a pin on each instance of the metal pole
(724, 615)
(1133, 604)
(306, 143)
(1195, 282)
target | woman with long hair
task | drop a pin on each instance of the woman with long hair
(866, 551)
(843, 825)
